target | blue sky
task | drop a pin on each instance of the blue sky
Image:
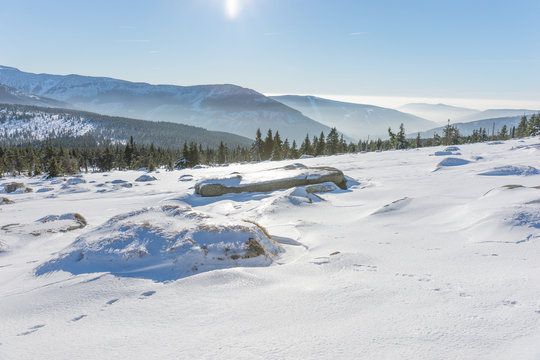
(415, 49)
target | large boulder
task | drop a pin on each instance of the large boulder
(13, 186)
(270, 180)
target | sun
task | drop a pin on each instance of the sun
(232, 8)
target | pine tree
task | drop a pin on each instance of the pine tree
(305, 148)
(392, 137)
(418, 142)
(321, 145)
(268, 145)
(503, 134)
(522, 131)
(222, 153)
(257, 148)
(400, 141)
(294, 150)
(286, 149)
(53, 168)
(533, 125)
(332, 141)
(277, 153)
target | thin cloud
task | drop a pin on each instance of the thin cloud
(154, 52)
(358, 33)
(271, 34)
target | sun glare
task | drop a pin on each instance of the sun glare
(232, 8)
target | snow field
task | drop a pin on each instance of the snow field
(406, 263)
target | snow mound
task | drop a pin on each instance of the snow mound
(145, 178)
(45, 189)
(165, 243)
(511, 170)
(451, 148)
(185, 177)
(393, 206)
(48, 224)
(287, 177)
(74, 181)
(442, 153)
(451, 161)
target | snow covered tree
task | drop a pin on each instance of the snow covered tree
(533, 125)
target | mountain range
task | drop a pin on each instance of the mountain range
(224, 107)
(232, 109)
(356, 120)
(439, 113)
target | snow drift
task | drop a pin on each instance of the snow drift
(165, 243)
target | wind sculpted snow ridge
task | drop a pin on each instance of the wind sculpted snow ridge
(407, 263)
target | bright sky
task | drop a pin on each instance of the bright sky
(477, 52)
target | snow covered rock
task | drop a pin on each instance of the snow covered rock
(13, 186)
(48, 224)
(451, 148)
(451, 161)
(164, 243)
(270, 180)
(74, 181)
(5, 200)
(512, 170)
(145, 178)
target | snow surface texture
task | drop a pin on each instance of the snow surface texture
(407, 263)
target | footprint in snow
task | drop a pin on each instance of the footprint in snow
(147, 294)
(360, 267)
(31, 330)
(509, 303)
(77, 318)
(110, 302)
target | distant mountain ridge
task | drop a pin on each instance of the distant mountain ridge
(9, 95)
(356, 120)
(467, 128)
(496, 113)
(224, 107)
(439, 113)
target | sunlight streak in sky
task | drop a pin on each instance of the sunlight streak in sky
(232, 8)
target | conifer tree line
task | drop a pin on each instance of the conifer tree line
(56, 160)
(274, 148)
(36, 159)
